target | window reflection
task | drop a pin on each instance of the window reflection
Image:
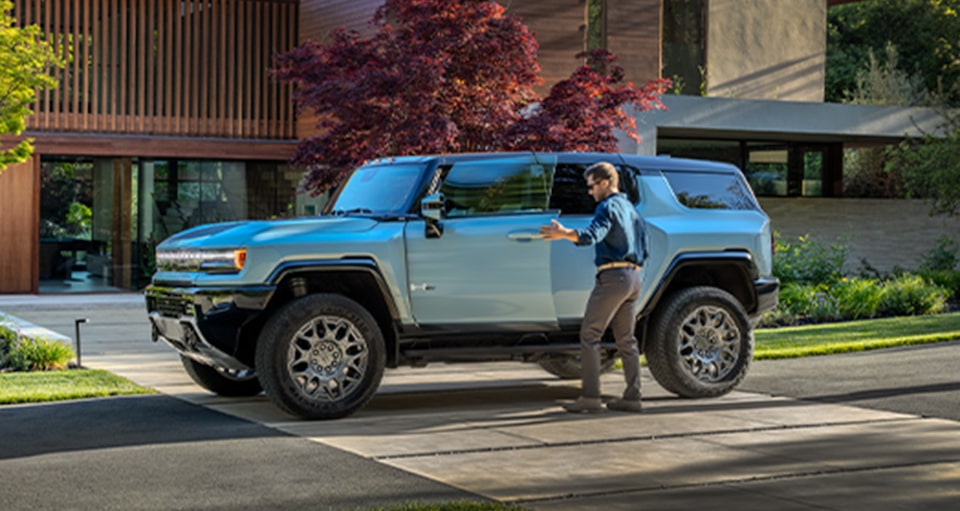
(496, 186)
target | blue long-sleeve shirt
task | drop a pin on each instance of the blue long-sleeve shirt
(616, 231)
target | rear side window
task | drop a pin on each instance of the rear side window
(706, 190)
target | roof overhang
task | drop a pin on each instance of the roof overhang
(738, 119)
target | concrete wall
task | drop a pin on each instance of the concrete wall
(887, 232)
(766, 49)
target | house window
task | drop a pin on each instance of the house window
(773, 168)
(767, 168)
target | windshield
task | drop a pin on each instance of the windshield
(378, 189)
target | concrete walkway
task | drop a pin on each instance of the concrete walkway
(495, 430)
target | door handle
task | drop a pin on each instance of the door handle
(524, 236)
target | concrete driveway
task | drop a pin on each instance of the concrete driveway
(495, 430)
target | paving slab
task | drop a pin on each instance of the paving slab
(932, 487)
(857, 446)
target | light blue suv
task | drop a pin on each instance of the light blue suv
(438, 258)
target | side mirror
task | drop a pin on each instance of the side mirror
(431, 207)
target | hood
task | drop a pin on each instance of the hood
(256, 232)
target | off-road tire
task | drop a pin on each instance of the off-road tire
(321, 357)
(700, 342)
(568, 367)
(220, 381)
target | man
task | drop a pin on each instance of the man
(617, 233)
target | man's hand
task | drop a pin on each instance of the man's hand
(556, 231)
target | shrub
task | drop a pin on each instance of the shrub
(944, 257)
(776, 317)
(8, 338)
(807, 261)
(799, 301)
(824, 307)
(796, 299)
(857, 298)
(39, 355)
(908, 295)
(793, 303)
(949, 280)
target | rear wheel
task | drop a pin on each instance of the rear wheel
(223, 382)
(321, 357)
(701, 342)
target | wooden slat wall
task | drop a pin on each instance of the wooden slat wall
(166, 67)
(19, 225)
(634, 35)
(558, 26)
(317, 19)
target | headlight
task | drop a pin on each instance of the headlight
(212, 261)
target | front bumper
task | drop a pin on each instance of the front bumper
(205, 324)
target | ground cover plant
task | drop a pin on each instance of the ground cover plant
(815, 288)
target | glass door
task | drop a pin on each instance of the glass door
(87, 225)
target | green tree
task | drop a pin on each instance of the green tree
(885, 83)
(926, 33)
(866, 171)
(931, 166)
(26, 60)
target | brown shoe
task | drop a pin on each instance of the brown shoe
(585, 405)
(625, 405)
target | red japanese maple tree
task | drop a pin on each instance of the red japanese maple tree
(447, 76)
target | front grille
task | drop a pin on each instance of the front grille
(172, 307)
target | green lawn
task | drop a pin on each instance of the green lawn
(38, 387)
(845, 337)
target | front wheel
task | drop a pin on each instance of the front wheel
(321, 357)
(223, 382)
(701, 342)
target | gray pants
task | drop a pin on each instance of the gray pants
(611, 304)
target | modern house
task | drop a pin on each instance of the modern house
(167, 116)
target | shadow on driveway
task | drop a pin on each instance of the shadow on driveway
(30, 430)
(158, 452)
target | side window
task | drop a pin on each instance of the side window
(570, 195)
(706, 190)
(502, 185)
(570, 191)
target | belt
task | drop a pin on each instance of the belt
(622, 264)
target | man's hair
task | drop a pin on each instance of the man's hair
(603, 170)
